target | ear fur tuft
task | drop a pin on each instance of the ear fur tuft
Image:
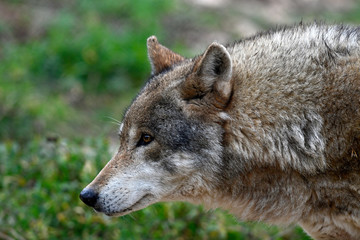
(160, 57)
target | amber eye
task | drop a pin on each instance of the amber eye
(144, 139)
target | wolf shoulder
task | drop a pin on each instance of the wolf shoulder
(300, 84)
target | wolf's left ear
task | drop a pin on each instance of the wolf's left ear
(160, 57)
(211, 76)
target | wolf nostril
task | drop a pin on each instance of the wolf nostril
(89, 197)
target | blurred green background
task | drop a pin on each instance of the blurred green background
(67, 67)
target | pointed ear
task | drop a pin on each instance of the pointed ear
(160, 57)
(211, 76)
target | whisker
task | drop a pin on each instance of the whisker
(116, 123)
(114, 120)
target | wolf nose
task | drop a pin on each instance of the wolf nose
(89, 197)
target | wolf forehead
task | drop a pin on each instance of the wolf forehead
(160, 90)
(160, 85)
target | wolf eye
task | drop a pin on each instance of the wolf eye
(145, 139)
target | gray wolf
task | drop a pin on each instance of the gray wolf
(267, 127)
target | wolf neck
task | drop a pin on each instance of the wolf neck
(272, 139)
(284, 197)
(266, 173)
(271, 120)
(263, 194)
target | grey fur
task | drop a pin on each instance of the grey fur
(267, 127)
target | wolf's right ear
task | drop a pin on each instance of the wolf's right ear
(211, 77)
(160, 57)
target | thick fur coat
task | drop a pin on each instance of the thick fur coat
(267, 128)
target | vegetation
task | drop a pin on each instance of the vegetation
(57, 91)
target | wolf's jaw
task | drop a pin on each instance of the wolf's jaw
(143, 202)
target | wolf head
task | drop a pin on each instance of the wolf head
(171, 136)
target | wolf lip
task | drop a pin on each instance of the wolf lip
(139, 204)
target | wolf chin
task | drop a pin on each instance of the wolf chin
(267, 127)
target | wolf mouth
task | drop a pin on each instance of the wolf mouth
(139, 204)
